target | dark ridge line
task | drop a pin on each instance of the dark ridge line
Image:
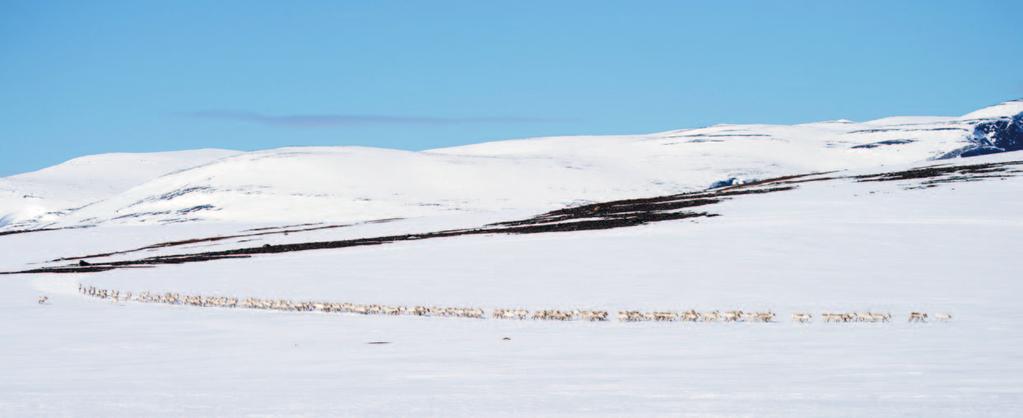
(607, 211)
(193, 241)
(960, 179)
(269, 228)
(810, 180)
(265, 231)
(791, 179)
(26, 231)
(886, 142)
(58, 270)
(939, 170)
(78, 269)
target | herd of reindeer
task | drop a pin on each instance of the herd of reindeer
(478, 313)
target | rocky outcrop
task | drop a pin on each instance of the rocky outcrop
(991, 137)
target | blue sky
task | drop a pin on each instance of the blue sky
(86, 77)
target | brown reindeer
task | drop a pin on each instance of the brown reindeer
(917, 317)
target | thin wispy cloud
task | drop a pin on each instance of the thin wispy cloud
(330, 119)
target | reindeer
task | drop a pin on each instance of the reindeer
(880, 317)
(475, 313)
(917, 317)
(630, 316)
(734, 316)
(801, 317)
(712, 316)
(43, 300)
(764, 316)
(664, 316)
(593, 316)
(553, 314)
(511, 313)
(943, 317)
(836, 317)
(863, 317)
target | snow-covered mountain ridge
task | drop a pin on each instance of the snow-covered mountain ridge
(343, 184)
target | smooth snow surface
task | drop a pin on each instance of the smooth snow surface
(827, 246)
(948, 246)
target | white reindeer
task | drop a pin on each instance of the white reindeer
(802, 317)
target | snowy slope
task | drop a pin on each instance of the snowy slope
(825, 243)
(345, 184)
(838, 245)
(1010, 108)
(36, 198)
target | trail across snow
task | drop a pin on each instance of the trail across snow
(838, 245)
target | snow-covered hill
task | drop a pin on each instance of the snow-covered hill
(936, 239)
(892, 231)
(50, 194)
(342, 184)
